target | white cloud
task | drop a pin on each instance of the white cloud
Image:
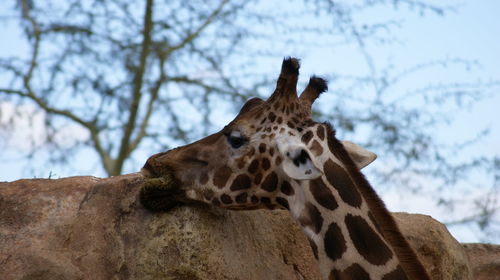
(22, 127)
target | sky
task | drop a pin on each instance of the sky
(472, 32)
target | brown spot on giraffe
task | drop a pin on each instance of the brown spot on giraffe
(311, 217)
(216, 201)
(278, 161)
(306, 137)
(397, 274)
(265, 200)
(286, 188)
(257, 179)
(316, 148)
(366, 241)
(283, 202)
(266, 164)
(322, 194)
(270, 182)
(226, 199)
(221, 176)
(241, 182)
(254, 166)
(320, 132)
(339, 179)
(251, 153)
(353, 272)
(241, 198)
(272, 116)
(262, 148)
(334, 242)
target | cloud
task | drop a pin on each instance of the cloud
(23, 127)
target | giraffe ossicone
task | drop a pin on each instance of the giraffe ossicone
(274, 155)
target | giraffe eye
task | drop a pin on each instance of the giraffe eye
(236, 140)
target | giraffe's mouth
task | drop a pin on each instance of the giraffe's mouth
(160, 192)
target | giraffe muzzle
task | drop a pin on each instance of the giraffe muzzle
(161, 191)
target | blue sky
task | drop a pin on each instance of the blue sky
(472, 32)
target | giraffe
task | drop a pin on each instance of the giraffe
(273, 155)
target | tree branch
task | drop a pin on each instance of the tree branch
(29, 93)
(154, 96)
(186, 80)
(193, 35)
(125, 146)
(92, 129)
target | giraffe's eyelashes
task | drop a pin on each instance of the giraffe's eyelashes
(235, 139)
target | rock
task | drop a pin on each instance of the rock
(85, 227)
(91, 228)
(440, 253)
(484, 260)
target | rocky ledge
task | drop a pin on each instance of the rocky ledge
(92, 228)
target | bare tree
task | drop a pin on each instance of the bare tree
(143, 76)
(110, 67)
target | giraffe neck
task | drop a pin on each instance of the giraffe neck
(352, 234)
(344, 240)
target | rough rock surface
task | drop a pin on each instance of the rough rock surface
(441, 254)
(91, 228)
(484, 260)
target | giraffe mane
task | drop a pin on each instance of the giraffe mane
(383, 219)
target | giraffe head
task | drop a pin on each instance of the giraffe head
(258, 159)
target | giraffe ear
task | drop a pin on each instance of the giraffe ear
(297, 163)
(360, 156)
